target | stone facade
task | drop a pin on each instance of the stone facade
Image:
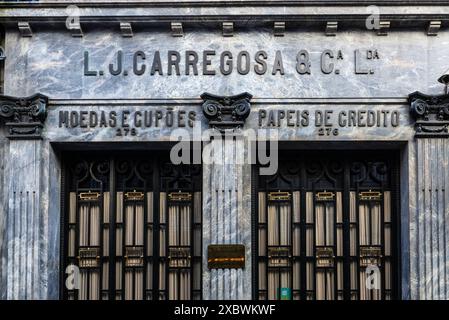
(332, 67)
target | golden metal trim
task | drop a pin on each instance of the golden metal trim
(134, 196)
(180, 196)
(89, 257)
(279, 196)
(279, 257)
(370, 255)
(324, 196)
(133, 257)
(226, 256)
(370, 195)
(324, 257)
(89, 196)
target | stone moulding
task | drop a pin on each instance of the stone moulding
(24, 117)
(431, 114)
(226, 112)
(195, 12)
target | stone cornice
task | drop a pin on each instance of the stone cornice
(431, 114)
(226, 112)
(192, 3)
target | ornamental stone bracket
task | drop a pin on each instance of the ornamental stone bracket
(431, 114)
(24, 117)
(226, 112)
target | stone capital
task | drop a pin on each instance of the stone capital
(431, 114)
(24, 117)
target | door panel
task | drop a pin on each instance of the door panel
(326, 228)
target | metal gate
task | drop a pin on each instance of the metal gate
(132, 227)
(326, 227)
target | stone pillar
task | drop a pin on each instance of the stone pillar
(2, 213)
(429, 232)
(227, 195)
(24, 246)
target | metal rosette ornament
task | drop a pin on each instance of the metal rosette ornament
(419, 108)
(226, 112)
(431, 114)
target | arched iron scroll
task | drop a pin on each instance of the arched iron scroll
(226, 112)
(431, 114)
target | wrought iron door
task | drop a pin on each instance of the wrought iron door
(326, 227)
(132, 226)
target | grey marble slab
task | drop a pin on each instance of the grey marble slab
(52, 63)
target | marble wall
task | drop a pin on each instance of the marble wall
(429, 229)
(3, 208)
(52, 63)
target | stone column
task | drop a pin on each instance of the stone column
(24, 249)
(227, 195)
(429, 232)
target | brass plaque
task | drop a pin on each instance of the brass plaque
(279, 196)
(134, 257)
(325, 257)
(134, 196)
(89, 257)
(226, 256)
(324, 196)
(179, 257)
(89, 196)
(279, 257)
(180, 196)
(370, 255)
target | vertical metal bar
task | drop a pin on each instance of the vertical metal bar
(267, 269)
(303, 232)
(336, 259)
(291, 258)
(124, 224)
(395, 223)
(314, 241)
(346, 234)
(156, 230)
(133, 241)
(167, 245)
(77, 236)
(382, 243)
(357, 219)
(112, 230)
(255, 233)
(64, 230)
(101, 235)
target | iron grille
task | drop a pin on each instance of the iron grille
(324, 222)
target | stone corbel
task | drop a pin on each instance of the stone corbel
(226, 112)
(24, 117)
(431, 114)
